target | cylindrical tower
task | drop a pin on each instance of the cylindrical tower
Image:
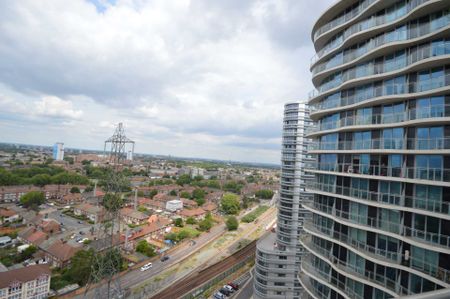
(278, 256)
(380, 224)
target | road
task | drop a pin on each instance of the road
(136, 276)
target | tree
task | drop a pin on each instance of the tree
(191, 220)
(233, 186)
(171, 236)
(41, 179)
(198, 193)
(145, 248)
(184, 179)
(205, 225)
(173, 193)
(230, 204)
(74, 189)
(185, 194)
(198, 178)
(264, 194)
(213, 184)
(112, 202)
(142, 209)
(80, 267)
(232, 223)
(89, 189)
(179, 222)
(32, 199)
(140, 193)
(69, 159)
(153, 193)
(200, 201)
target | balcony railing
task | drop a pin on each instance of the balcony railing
(430, 238)
(387, 89)
(354, 270)
(376, 41)
(418, 173)
(379, 119)
(317, 272)
(396, 200)
(440, 143)
(377, 253)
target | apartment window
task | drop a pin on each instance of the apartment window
(393, 113)
(393, 138)
(358, 212)
(356, 262)
(281, 275)
(389, 220)
(279, 284)
(424, 259)
(390, 192)
(430, 79)
(362, 140)
(387, 246)
(430, 138)
(364, 116)
(430, 107)
(429, 167)
(428, 197)
(329, 142)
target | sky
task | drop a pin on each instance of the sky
(190, 78)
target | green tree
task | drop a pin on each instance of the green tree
(140, 193)
(232, 223)
(41, 179)
(198, 178)
(173, 193)
(185, 194)
(233, 186)
(80, 267)
(184, 179)
(198, 193)
(191, 220)
(112, 202)
(32, 199)
(205, 225)
(145, 248)
(69, 159)
(264, 194)
(199, 201)
(74, 189)
(179, 222)
(142, 209)
(153, 193)
(213, 184)
(171, 236)
(230, 204)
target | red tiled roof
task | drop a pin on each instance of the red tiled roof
(193, 212)
(7, 213)
(210, 206)
(62, 251)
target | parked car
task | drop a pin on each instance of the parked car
(225, 292)
(146, 267)
(82, 240)
(80, 222)
(233, 285)
(219, 295)
(81, 232)
(78, 239)
(164, 258)
(229, 288)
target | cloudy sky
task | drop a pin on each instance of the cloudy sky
(192, 78)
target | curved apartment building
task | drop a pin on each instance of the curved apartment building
(278, 255)
(380, 224)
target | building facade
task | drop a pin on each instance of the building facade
(278, 255)
(32, 282)
(380, 224)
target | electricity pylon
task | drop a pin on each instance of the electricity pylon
(107, 260)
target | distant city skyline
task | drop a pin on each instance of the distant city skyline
(187, 78)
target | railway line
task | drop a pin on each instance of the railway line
(196, 279)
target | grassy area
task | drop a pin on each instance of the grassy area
(250, 217)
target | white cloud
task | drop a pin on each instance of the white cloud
(55, 107)
(172, 71)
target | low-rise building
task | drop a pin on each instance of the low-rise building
(131, 216)
(32, 282)
(174, 205)
(210, 207)
(93, 213)
(8, 216)
(189, 203)
(197, 213)
(50, 226)
(32, 236)
(60, 253)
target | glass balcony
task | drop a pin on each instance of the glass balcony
(430, 238)
(396, 200)
(418, 173)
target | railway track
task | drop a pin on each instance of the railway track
(196, 279)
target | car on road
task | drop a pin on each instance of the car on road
(81, 232)
(82, 240)
(78, 239)
(165, 258)
(146, 267)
